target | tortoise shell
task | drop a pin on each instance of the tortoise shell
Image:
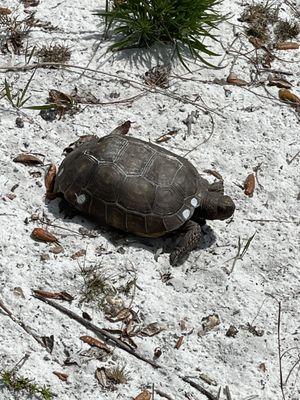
(131, 185)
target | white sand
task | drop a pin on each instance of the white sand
(249, 129)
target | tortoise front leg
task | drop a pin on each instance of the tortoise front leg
(191, 238)
(217, 187)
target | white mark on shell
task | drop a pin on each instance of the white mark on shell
(60, 171)
(186, 213)
(81, 198)
(194, 202)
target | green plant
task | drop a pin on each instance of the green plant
(241, 252)
(96, 285)
(18, 384)
(19, 98)
(260, 13)
(258, 16)
(118, 375)
(58, 53)
(183, 24)
(285, 30)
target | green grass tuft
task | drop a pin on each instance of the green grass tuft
(21, 384)
(183, 24)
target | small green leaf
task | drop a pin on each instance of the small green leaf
(41, 107)
(24, 91)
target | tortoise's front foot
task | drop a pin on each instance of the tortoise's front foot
(67, 209)
(190, 239)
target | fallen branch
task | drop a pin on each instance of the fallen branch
(163, 394)
(279, 348)
(111, 75)
(22, 325)
(101, 332)
(280, 221)
(293, 158)
(201, 389)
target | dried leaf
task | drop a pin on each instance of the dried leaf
(48, 342)
(129, 341)
(54, 295)
(209, 323)
(207, 379)
(31, 3)
(5, 11)
(60, 98)
(152, 329)
(35, 174)
(101, 377)
(62, 376)
(122, 315)
(166, 136)
(249, 185)
(214, 173)
(286, 95)
(122, 129)
(56, 249)
(256, 42)
(43, 235)
(145, 395)
(254, 330)
(232, 331)
(179, 342)
(86, 316)
(27, 159)
(18, 291)
(130, 329)
(50, 178)
(157, 353)
(95, 342)
(286, 46)
(78, 254)
(234, 80)
(279, 82)
(262, 367)
(11, 196)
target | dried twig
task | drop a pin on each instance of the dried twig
(240, 253)
(101, 332)
(293, 158)
(227, 393)
(189, 121)
(279, 348)
(22, 325)
(205, 140)
(163, 394)
(280, 354)
(280, 221)
(111, 75)
(201, 389)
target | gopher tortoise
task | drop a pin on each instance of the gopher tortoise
(141, 188)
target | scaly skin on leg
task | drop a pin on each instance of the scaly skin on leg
(217, 187)
(190, 239)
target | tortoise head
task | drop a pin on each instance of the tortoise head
(217, 206)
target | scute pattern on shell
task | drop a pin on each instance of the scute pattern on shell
(131, 185)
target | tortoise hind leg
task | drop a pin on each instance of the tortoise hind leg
(191, 238)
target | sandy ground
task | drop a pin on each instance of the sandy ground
(251, 128)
